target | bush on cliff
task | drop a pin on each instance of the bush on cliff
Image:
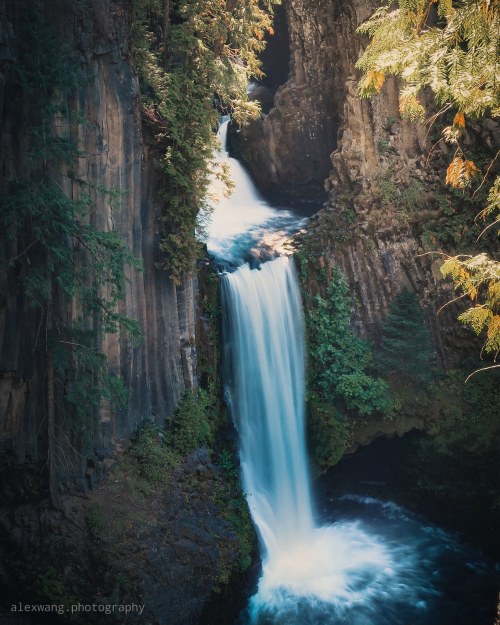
(406, 346)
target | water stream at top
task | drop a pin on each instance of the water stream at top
(374, 563)
(243, 226)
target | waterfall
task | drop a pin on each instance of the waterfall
(242, 221)
(265, 335)
(264, 356)
(375, 563)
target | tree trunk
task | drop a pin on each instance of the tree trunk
(53, 485)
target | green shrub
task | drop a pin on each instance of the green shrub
(364, 393)
(339, 361)
(189, 427)
(383, 145)
(327, 434)
(405, 197)
(151, 455)
(341, 383)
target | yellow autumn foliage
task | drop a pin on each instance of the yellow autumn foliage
(461, 172)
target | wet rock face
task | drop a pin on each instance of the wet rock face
(115, 155)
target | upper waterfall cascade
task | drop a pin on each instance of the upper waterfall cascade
(243, 226)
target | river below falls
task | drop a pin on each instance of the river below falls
(357, 559)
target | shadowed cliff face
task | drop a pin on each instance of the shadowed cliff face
(114, 155)
(288, 150)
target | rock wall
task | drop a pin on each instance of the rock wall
(288, 150)
(381, 176)
(114, 154)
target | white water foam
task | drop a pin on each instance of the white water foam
(243, 220)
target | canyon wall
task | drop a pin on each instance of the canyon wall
(114, 154)
(383, 175)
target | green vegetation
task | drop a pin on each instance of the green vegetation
(453, 49)
(340, 365)
(95, 520)
(328, 433)
(58, 255)
(190, 426)
(231, 500)
(406, 198)
(198, 67)
(406, 346)
(383, 145)
(339, 360)
(43, 582)
(151, 457)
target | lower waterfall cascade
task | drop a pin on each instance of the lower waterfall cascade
(370, 562)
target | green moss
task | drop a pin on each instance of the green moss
(328, 434)
(231, 499)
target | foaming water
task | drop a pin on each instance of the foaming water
(240, 223)
(377, 564)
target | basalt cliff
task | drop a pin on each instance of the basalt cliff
(386, 204)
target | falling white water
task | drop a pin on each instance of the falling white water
(264, 337)
(267, 394)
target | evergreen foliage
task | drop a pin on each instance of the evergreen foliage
(189, 427)
(454, 49)
(199, 67)
(451, 47)
(406, 342)
(340, 380)
(339, 360)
